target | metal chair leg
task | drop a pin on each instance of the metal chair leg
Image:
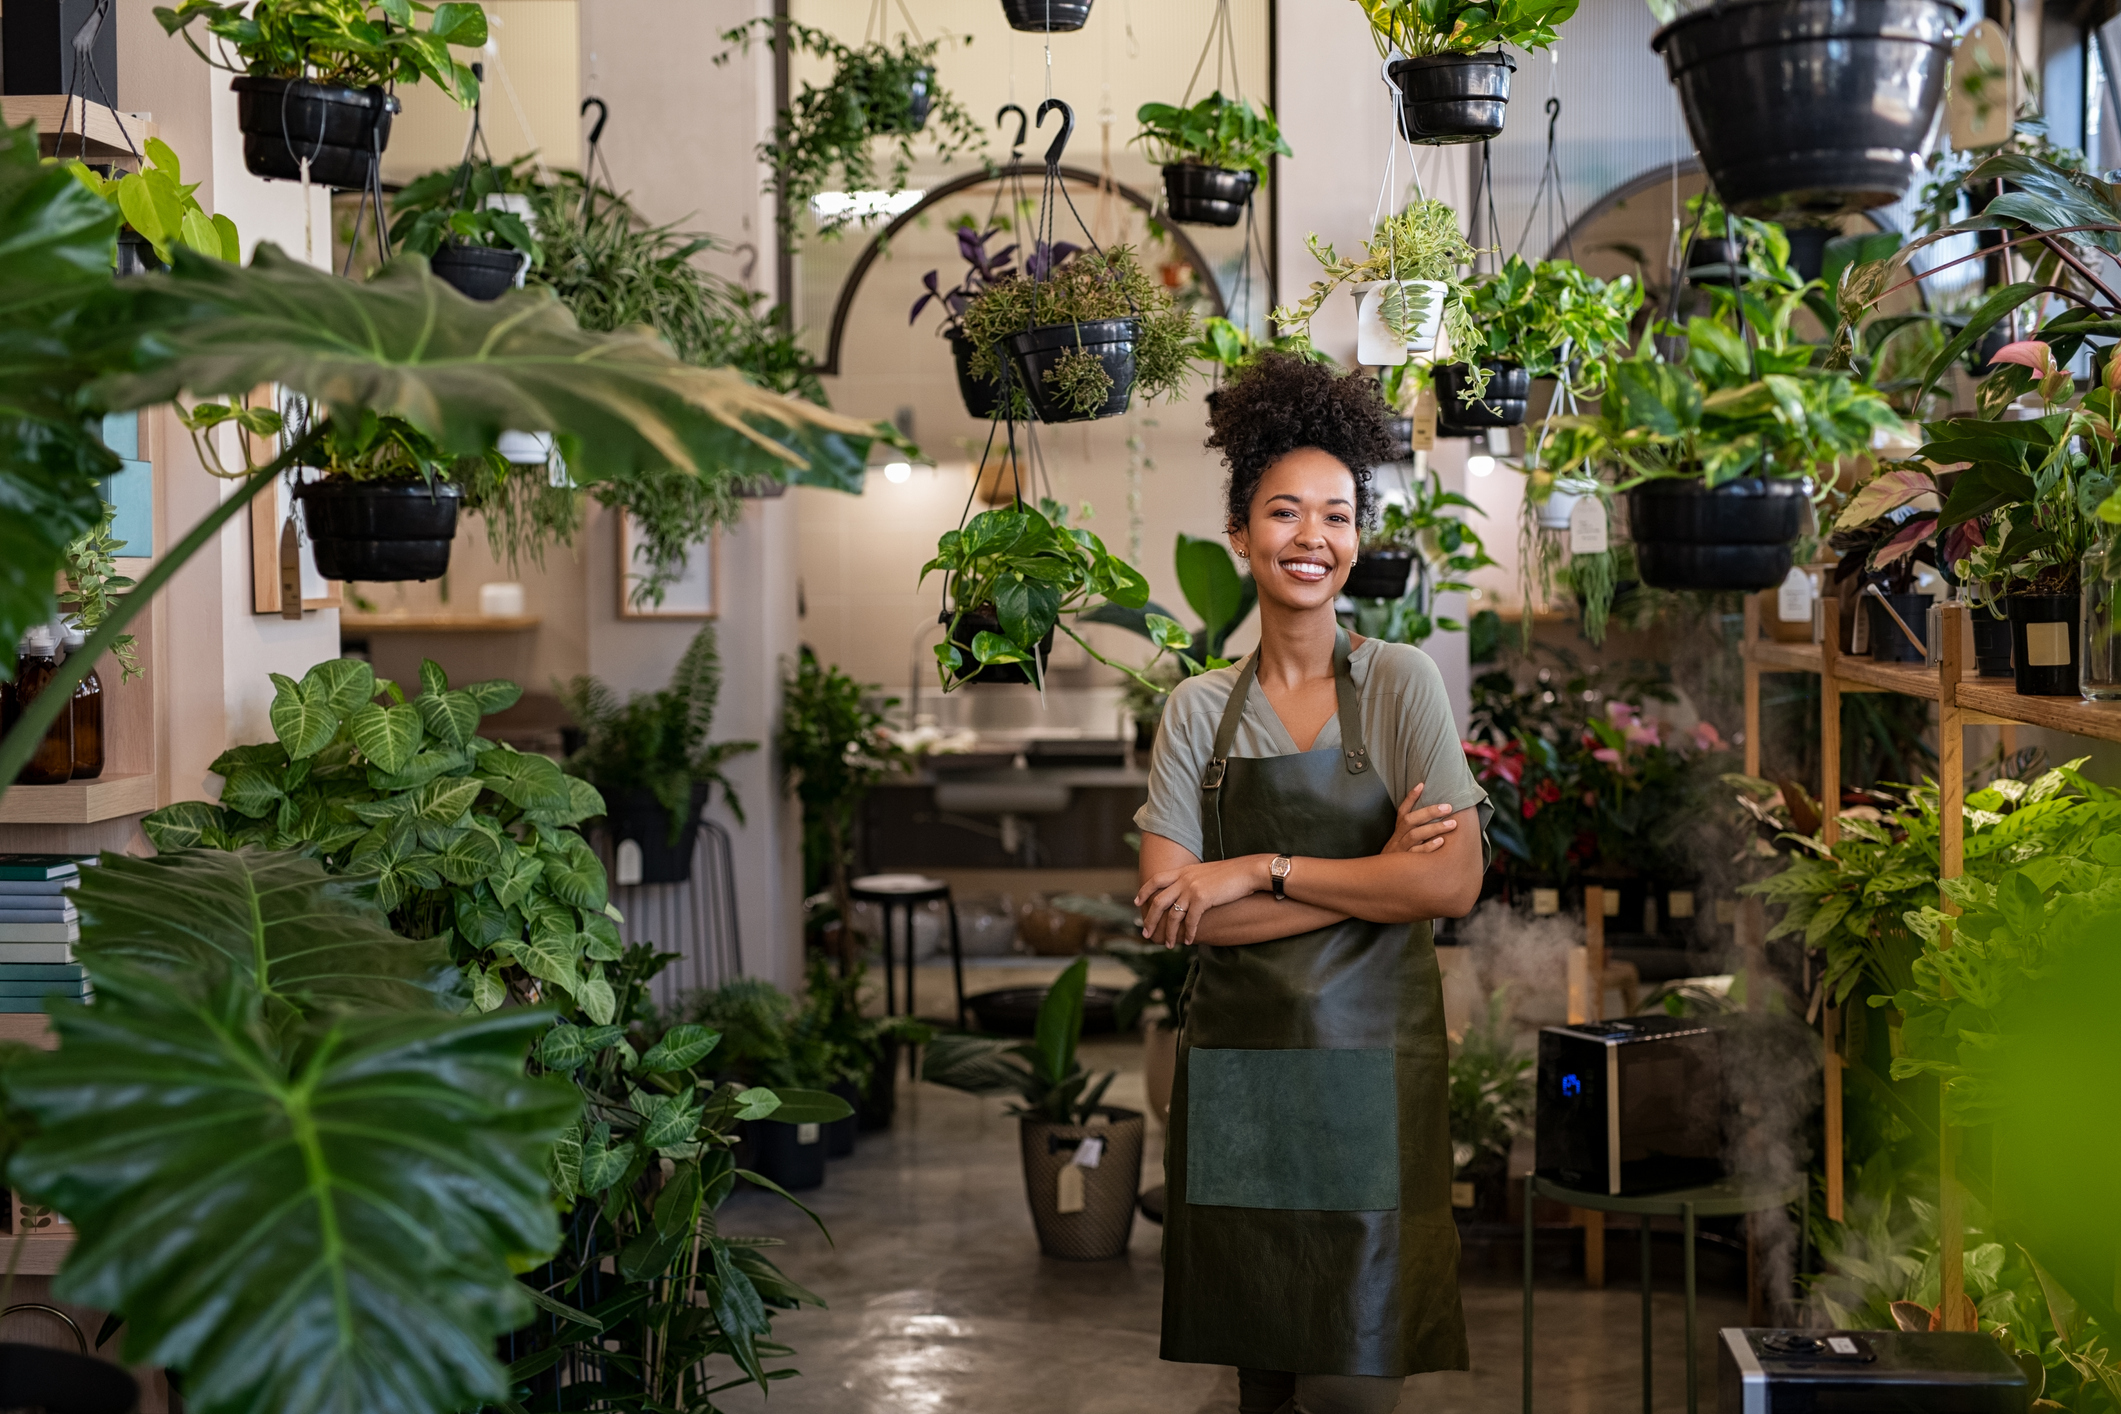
(1647, 1369)
(1529, 1183)
(957, 960)
(1693, 1392)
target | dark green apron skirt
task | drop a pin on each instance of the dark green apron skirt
(1308, 1167)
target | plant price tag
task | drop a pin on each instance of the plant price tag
(1587, 528)
(1069, 1198)
(1793, 601)
(1545, 901)
(1424, 416)
(1089, 1153)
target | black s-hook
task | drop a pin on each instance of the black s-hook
(1060, 139)
(1023, 127)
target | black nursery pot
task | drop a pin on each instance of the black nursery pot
(1042, 16)
(39, 1377)
(983, 397)
(1401, 430)
(873, 1111)
(1380, 574)
(839, 1134)
(920, 100)
(1815, 106)
(1509, 394)
(2045, 652)
(1735, 537)
(779, 1152)
(979, 621)
(342, 131)
(638, 816)
(136, 255)
(379, 531)
(1453, 97)
(1207, 196)
(1039, 350)
(1888, 643)
(476, 271)
(1716, 260)
(1992, 643)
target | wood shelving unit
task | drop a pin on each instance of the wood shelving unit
(107, 129)
(1963, 700)
(436, 623)
(108, 797)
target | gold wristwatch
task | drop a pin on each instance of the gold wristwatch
(1277, 871)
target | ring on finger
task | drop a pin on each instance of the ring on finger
(1178, 908)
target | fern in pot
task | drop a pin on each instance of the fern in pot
(1214, 155)
(1407, 287)
(1078, 333)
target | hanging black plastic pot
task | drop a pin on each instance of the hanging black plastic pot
(340, 130)
(379, 531)
(1992, 642)
(62, 1382)
(636, 816)
(477, 271)
(1047, 16)
(1716, 260)
(2044, 644)
(1038, 351)
(136, 255)
(1401, 430)
(1808, 249)
(1818, 106)
(1509, 394)
(983, 396)
(1446, 98)
(1735, 537)
(920, 99)
(1206, 196)
(971, 626)
(1888, 643)
(1379, 574)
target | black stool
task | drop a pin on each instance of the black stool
(907, 892)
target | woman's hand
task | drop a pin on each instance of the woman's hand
(1173, 901)
(1420, 831)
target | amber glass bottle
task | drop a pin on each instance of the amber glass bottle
(88, 716)
(53, 764)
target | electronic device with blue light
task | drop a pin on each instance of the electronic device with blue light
(1630, 1106)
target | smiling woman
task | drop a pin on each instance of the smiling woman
(1309, 1239)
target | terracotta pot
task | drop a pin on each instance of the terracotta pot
(1052, 932)
(1159, 1066)
(1099, 1231)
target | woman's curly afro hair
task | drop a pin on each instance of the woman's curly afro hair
(1282, 402)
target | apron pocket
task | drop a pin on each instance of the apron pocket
(1304, 1129)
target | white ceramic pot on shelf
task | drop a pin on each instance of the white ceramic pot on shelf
(1375, 344)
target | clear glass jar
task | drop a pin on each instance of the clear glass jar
(2101, 670)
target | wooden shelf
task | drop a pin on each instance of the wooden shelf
(1907, 679)
(1774, 657)
(43, 1253)
(1995, 701)
(78, 802)
(107, 140)
(436, 623)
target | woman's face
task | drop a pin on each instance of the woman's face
(1301, 537)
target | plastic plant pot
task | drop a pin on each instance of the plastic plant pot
(1992, 642)
(971, 626)
(340, 130)
(983, 396)
(1207, 196)
(2045, 652)
(379, 531)
(135, 255)
(1446, 98)
(1810, 106)
(1734, 537)
(792, 1155)
(1047, 16)
(636, 817)
(1509, 395)
(1039, 351)
(1888, 643)
(1402, 432)
(476, 271)
(1376, 346)
(1380, 574)
(1716, 260)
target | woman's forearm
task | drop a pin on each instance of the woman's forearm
(1384, 888)
(1262, 919)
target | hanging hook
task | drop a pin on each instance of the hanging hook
(596, 133)
(1060, 139)
(1023, 128)
(1553, 118)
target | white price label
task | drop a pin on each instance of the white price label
(1587, 528)
(1679, 904)
(809, 1133)
(1545, 901)
(1089, 1153)
(1793, 602)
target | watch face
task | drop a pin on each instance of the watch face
(1280, 867)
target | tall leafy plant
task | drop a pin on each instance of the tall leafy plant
(1044, 1074)
(833, 752)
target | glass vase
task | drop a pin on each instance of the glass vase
(2101, 677)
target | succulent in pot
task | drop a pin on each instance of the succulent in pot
(982, 395)
(1445, 61)
(1214, 155)
(1407, 285)
(1082, 332)
(312, 75)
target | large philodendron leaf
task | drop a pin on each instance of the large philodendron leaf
(462, 371)
(326, 1223)
(308, 938)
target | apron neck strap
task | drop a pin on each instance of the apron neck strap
(1354, 752)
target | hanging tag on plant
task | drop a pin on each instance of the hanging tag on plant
(1424, 418)
(1793, 602)
(1587, 528)
(1089, 1152)
(290, 570)
(1069, 1198)
(1983, 105)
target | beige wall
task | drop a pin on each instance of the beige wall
(532, 95)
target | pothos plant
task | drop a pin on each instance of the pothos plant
(882, 90)
(93, 587)
(1033, 572)
(1444, 549)
(1421, 243)
(1216, 132)
(1552, 319)
(1422, 27)
(357, 43)
(161, 208)
(456, 206)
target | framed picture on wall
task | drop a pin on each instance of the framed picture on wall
(689, 596)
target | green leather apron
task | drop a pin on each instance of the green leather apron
(1308, 1168)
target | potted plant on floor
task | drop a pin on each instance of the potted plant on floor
(160, 212)
(1214, 156)
(1407, 287)
(1491, 1094)
(982, 396)
(1081, 332)
(650, 759)
(1082, 1158)
(311, 94)
(883, 91)
(1417, 550)
(1448, 89)
(1808, 106)
(765, 1043)
(464, 221)
(1549, 320)
(1159, 980)
(1012, 578)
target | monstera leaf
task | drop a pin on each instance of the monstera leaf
(328, 1221)
(304, 938)
(463, 371)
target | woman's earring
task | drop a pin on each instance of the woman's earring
(1244, 554)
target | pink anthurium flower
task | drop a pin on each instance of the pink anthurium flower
(2031, 353)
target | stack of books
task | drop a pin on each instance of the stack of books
(38, 930)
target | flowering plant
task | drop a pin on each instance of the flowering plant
(1641, 781)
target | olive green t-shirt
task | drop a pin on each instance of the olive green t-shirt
(1406, 723)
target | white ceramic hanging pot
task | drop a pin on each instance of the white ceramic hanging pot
(1554, 512)
(1375, 344)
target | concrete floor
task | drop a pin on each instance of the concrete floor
(939, 1302)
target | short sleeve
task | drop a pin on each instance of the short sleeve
(1430, 749)
(1184, 739)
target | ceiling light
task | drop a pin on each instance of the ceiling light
(897, 472)
(1480, 466)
